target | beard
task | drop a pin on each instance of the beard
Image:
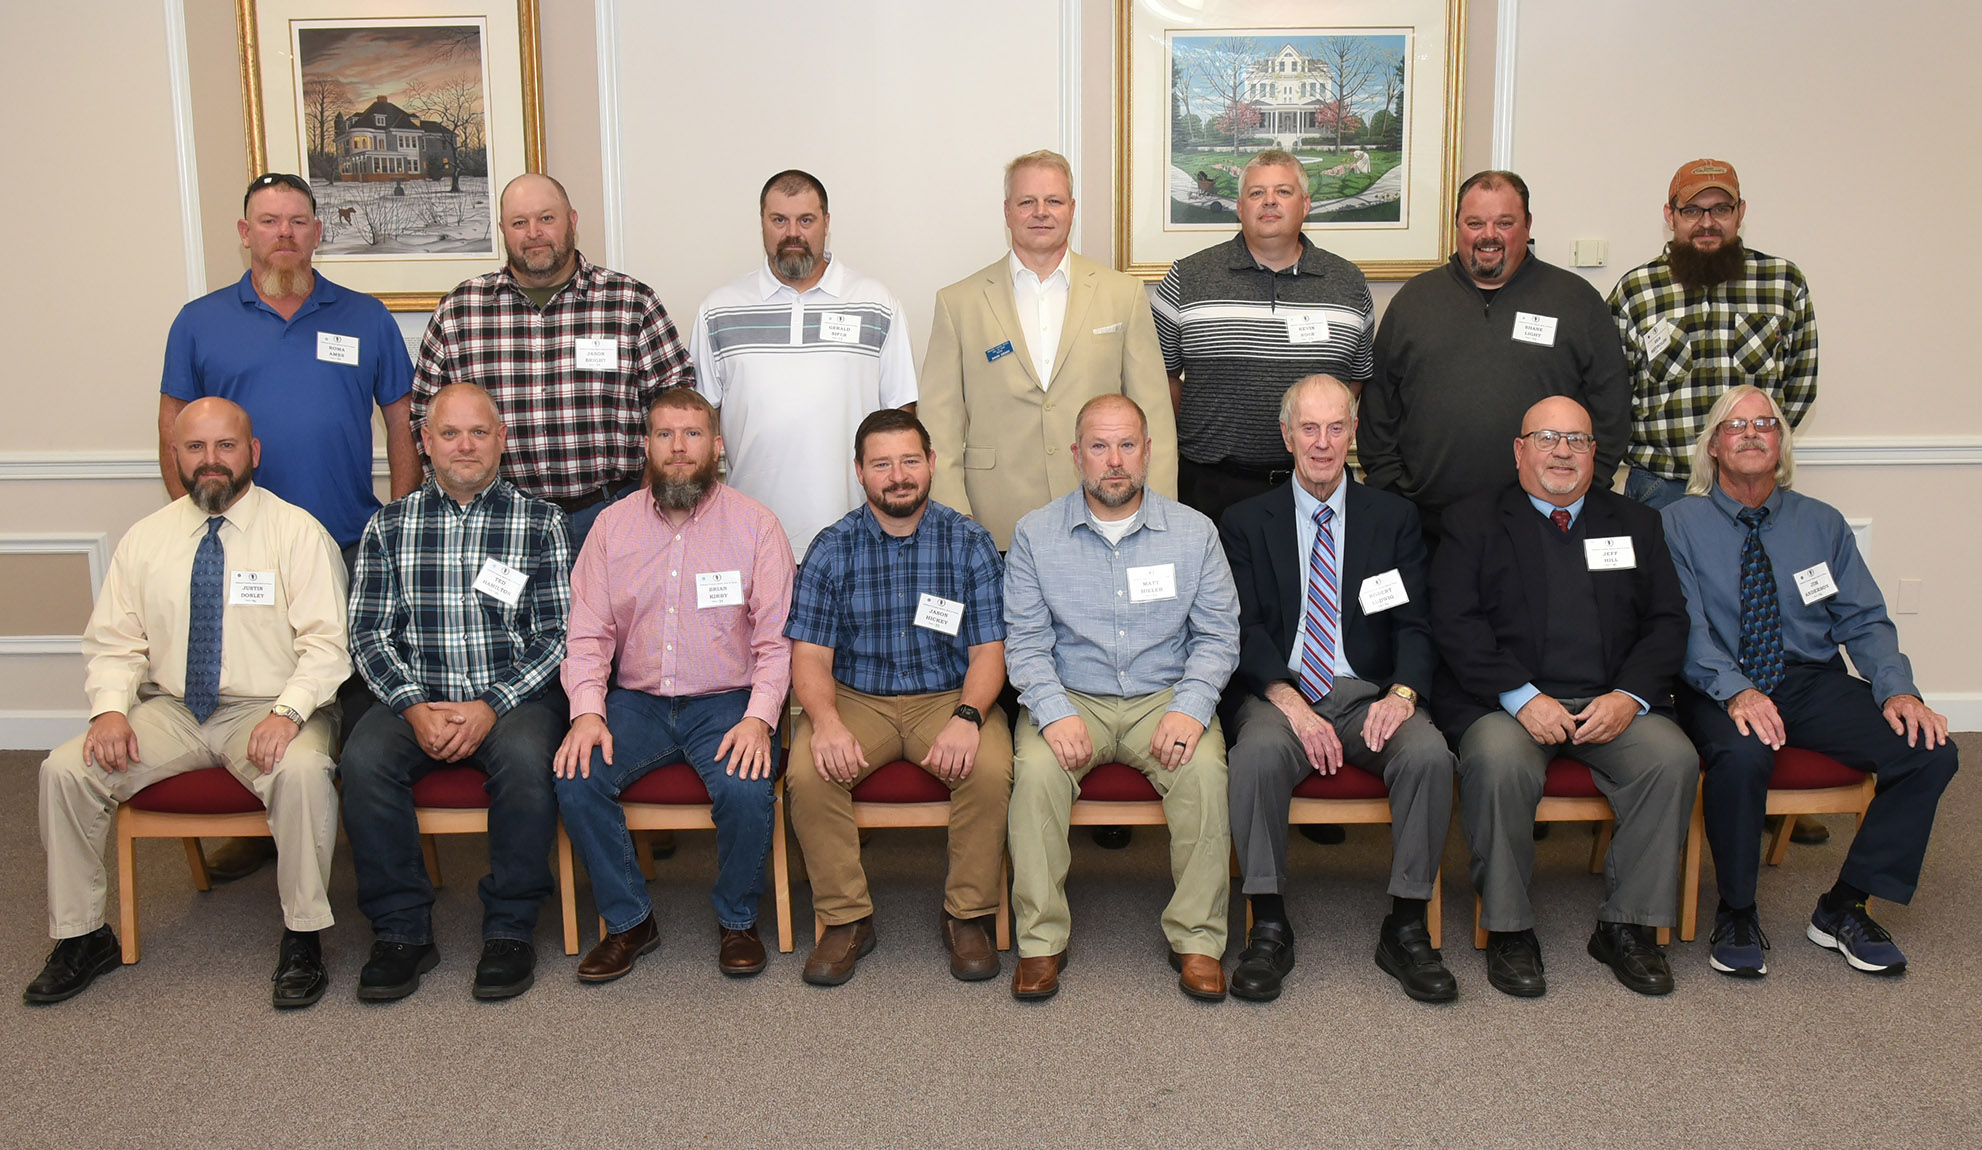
(681, 494)
(285, 283)
(520, 264)
(214, 489)
(1104, 497)
(1480, 271)
(1692, 268)
(795, 260)
(910, 500)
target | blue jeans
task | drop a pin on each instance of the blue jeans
(581, 521)
(1654, 491)
(382, 761)
(650, 732)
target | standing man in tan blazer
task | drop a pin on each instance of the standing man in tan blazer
(1018, 347)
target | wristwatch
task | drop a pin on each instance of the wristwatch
(1405, 693)
(289, 713)
(969, 714)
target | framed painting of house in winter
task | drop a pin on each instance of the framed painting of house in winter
(1364, 93)
(406, 118)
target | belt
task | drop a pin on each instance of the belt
(1274, 475)
(577, 503)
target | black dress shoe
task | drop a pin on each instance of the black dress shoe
(1111, 838)
(1327, 834)
(1404, 951)
(1638, 962)
(73, 965)
(394, 970)
(1267, 959)
(300, 978)
(1514, 963)
(508, 968)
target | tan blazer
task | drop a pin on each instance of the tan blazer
(1001, 441)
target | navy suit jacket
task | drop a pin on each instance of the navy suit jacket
(1380, 532)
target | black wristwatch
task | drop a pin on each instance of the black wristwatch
(970, 714)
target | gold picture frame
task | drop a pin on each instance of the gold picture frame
(407, 119)
(1366, 92)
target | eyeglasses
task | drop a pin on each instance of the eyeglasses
(1580, 442)
(1763, 425)
(278, 180)
(1691, 213)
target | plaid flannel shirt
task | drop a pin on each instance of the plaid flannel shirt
(1686, 348)
(421, 632)
(571, 431)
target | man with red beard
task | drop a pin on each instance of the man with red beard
(1708, 314)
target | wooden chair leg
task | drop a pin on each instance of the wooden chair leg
(1435, 913)
(127, 891)
(1005, 903)
(429, 852)
(1601, 846)
(781, 870)
(196, 861)
(643, 850)
(1479, 932)
(1689, 877)
(567, 890)
(1779, 844)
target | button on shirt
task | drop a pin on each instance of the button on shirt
(1305, 506)
(420, 630)
(289, 650)
(1042, 311)
(1072, 624)
(634, 599)
(860, 587)
(1798, 534)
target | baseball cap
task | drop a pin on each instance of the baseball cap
(1696, 176)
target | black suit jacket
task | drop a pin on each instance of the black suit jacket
(1489, 603)
(1380, 533)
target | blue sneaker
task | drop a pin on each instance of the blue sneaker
(1852, 933)
(1738, 943)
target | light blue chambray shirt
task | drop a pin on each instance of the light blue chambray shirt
(1071, 625)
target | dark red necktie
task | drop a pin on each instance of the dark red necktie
(1561, 518)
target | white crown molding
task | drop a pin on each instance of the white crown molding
(28, 466)
(1070, 103)
(1506, 42)
(606, 35)
(95, 545)
(178, 69)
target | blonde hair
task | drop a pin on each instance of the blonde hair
(1276, 158)
(1706, 469)
(1043, 158)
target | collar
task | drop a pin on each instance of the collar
(1732, 507)
(769, 286)
(1546, 508)
(1309, 264)
(1079, 514)
(1063, 272)
(241, 516)
(1458, 268)
(580, 282)
(1305, 504)
(433, 490)
(694, 515)
(872, 524)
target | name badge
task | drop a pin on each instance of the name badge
(1612, 554)
(718, 589)
(1151, 584)
(332, 348)
(597, 354)
(499, 580)
(937, 614)
(993, 355)
(1814, 583)
(1307, 327)
(1535, 329)
(839, 327)
(256, 589)
(1382, 592)
(1659, 338)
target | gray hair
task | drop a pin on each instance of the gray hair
(1706, 470)
(1311, 383)
(1276, 158)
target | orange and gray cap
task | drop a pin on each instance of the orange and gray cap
(1696, 176)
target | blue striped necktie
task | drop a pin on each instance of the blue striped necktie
(203, 625)
(1761, 611)
(1323, 611)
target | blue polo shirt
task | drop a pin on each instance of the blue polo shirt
(312, 414)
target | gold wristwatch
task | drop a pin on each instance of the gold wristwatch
(289, 713)
(1405, 693)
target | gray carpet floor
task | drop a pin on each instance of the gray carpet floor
(184, 1049)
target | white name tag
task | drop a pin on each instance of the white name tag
(1659, 338)
(1382, 592)
(597, 354)
(839, 327)
(1814, 583)
(718, 589)
(257, 589)
(1307, 327)
(1532, 328)
(1612, 554)
(945, 615)
(333, 348)
(1150, 584)
(499, 580)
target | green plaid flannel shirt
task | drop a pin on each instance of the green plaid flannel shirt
(1685, 348)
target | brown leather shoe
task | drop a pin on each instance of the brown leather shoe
(1200, 976)
(616, 953)
(1038, 977)
(832, 961)
(972, 955)
(741, 954)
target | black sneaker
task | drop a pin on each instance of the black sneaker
(1637, 961)
(394, 970)
(73, 965)
(508, 968)
(1514, 963)
(1738, 943)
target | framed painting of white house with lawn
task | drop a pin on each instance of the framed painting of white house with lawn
(406, 122)
(1364, 93)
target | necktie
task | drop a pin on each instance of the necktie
(203, 626)
(1561, 519)
(1323, 611)
(1761, 611)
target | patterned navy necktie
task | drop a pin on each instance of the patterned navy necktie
(1761, 611)
(1323, 611)
(203, 625)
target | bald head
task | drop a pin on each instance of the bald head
(534, 184)
(1558, 412)
(467, 398)
(1560, 472)
(1111, 404)
(539, 231)
(464, 438)
(214, 443)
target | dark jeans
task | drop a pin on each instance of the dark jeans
(1210, 488)
(1823, 709)
(650, 732)
(1654, 491)
(581, 521)
(380, 765)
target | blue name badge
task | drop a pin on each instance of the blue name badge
(996, 353)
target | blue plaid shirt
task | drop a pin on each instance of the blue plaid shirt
(859, 588)
(420, 632)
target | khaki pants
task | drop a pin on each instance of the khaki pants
(890, 728)
(77, 801)
(1193, 804)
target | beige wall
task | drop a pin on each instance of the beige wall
(46, 594)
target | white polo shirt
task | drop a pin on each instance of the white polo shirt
(793, 376)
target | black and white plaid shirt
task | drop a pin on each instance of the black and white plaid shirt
(1686, 348)
(573, 380)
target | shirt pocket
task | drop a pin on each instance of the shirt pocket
(1757, 338)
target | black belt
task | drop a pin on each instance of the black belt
(592, 498)
(1274, 475)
